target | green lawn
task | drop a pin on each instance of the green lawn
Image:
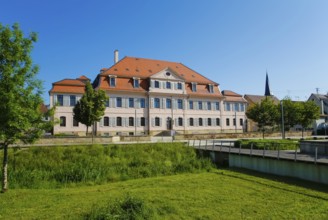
(219, 194)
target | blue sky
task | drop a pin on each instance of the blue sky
(232, 42)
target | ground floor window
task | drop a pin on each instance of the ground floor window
(62, 121)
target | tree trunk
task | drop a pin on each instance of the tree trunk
(302, 132)
(263, 133)
(86, 133)
(5, 169)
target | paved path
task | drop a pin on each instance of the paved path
(227, 146)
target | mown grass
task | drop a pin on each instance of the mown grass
(222, 194)
(268, 144)
(55, 167)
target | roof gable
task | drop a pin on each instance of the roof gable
(167, 74)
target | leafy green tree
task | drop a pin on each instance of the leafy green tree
(91, 107)
(21, 118)
(291, 112)
(264, 113)
(309, 112)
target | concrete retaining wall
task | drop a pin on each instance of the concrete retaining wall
(302, 170)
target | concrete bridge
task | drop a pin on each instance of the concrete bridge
(293, 163)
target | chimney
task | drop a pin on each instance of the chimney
(115, 56)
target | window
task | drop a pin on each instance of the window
(131, 102)
(191, 122)
(60, 100)
(228, 121)
(209, 107)
(242, 107)
(168, 103)
(194, 87)
(217, 106)
(209, 122)
(62, 121)
(119, 102)
(217, 121)
(200, 105)
(191, 105)
(234, 122)
(180, 121)
(136, 83)
(75, 123)
(168, 85)
(131, 121)
(157, 121)
(156, 103)
(118, 121)
(72, 100)
(241, 122)
(106, 121)
(180, 104)
(156, 84)
(200, 122)
(107, 102)
(142, 121)
(179, 86)
(142, 103)
(112, 81)
(236, 107)
(227, 106)
(210, 89)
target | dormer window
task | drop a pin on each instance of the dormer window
(210, 88)
(112, 81)
(136, 83)
(194, 87)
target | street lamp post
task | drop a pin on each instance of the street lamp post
(282, 120)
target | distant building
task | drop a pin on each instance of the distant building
(322, 102)
(149, 96)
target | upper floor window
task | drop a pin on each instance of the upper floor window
(156, 84)
(136, 83)
(72, 100)
(180, 104)
(168, 103)
(236, 107)
(131, 102)
(210, 88)
(227, 106)
(217, 106)
(209, 106)
(179, 85)
(107, 103)
(60, 100)
(200, 105)
(62, 120)
(119, 102)
(168, 85)
(156, 103)
(142, 103)
(112, 81)
(194, 87)
(242, 107)
(191, 105)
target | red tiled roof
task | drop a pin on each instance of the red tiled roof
(69, 85)
(144, 68)
(230, 93)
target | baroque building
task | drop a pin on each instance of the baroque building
(149, 97)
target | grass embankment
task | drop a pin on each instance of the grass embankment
(55, 167)
(86, 183)
(268, 144)
(210, 195)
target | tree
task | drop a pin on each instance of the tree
(21, 118)
(309, 112)
(292, 113)
(91, 107)
(264, 113)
